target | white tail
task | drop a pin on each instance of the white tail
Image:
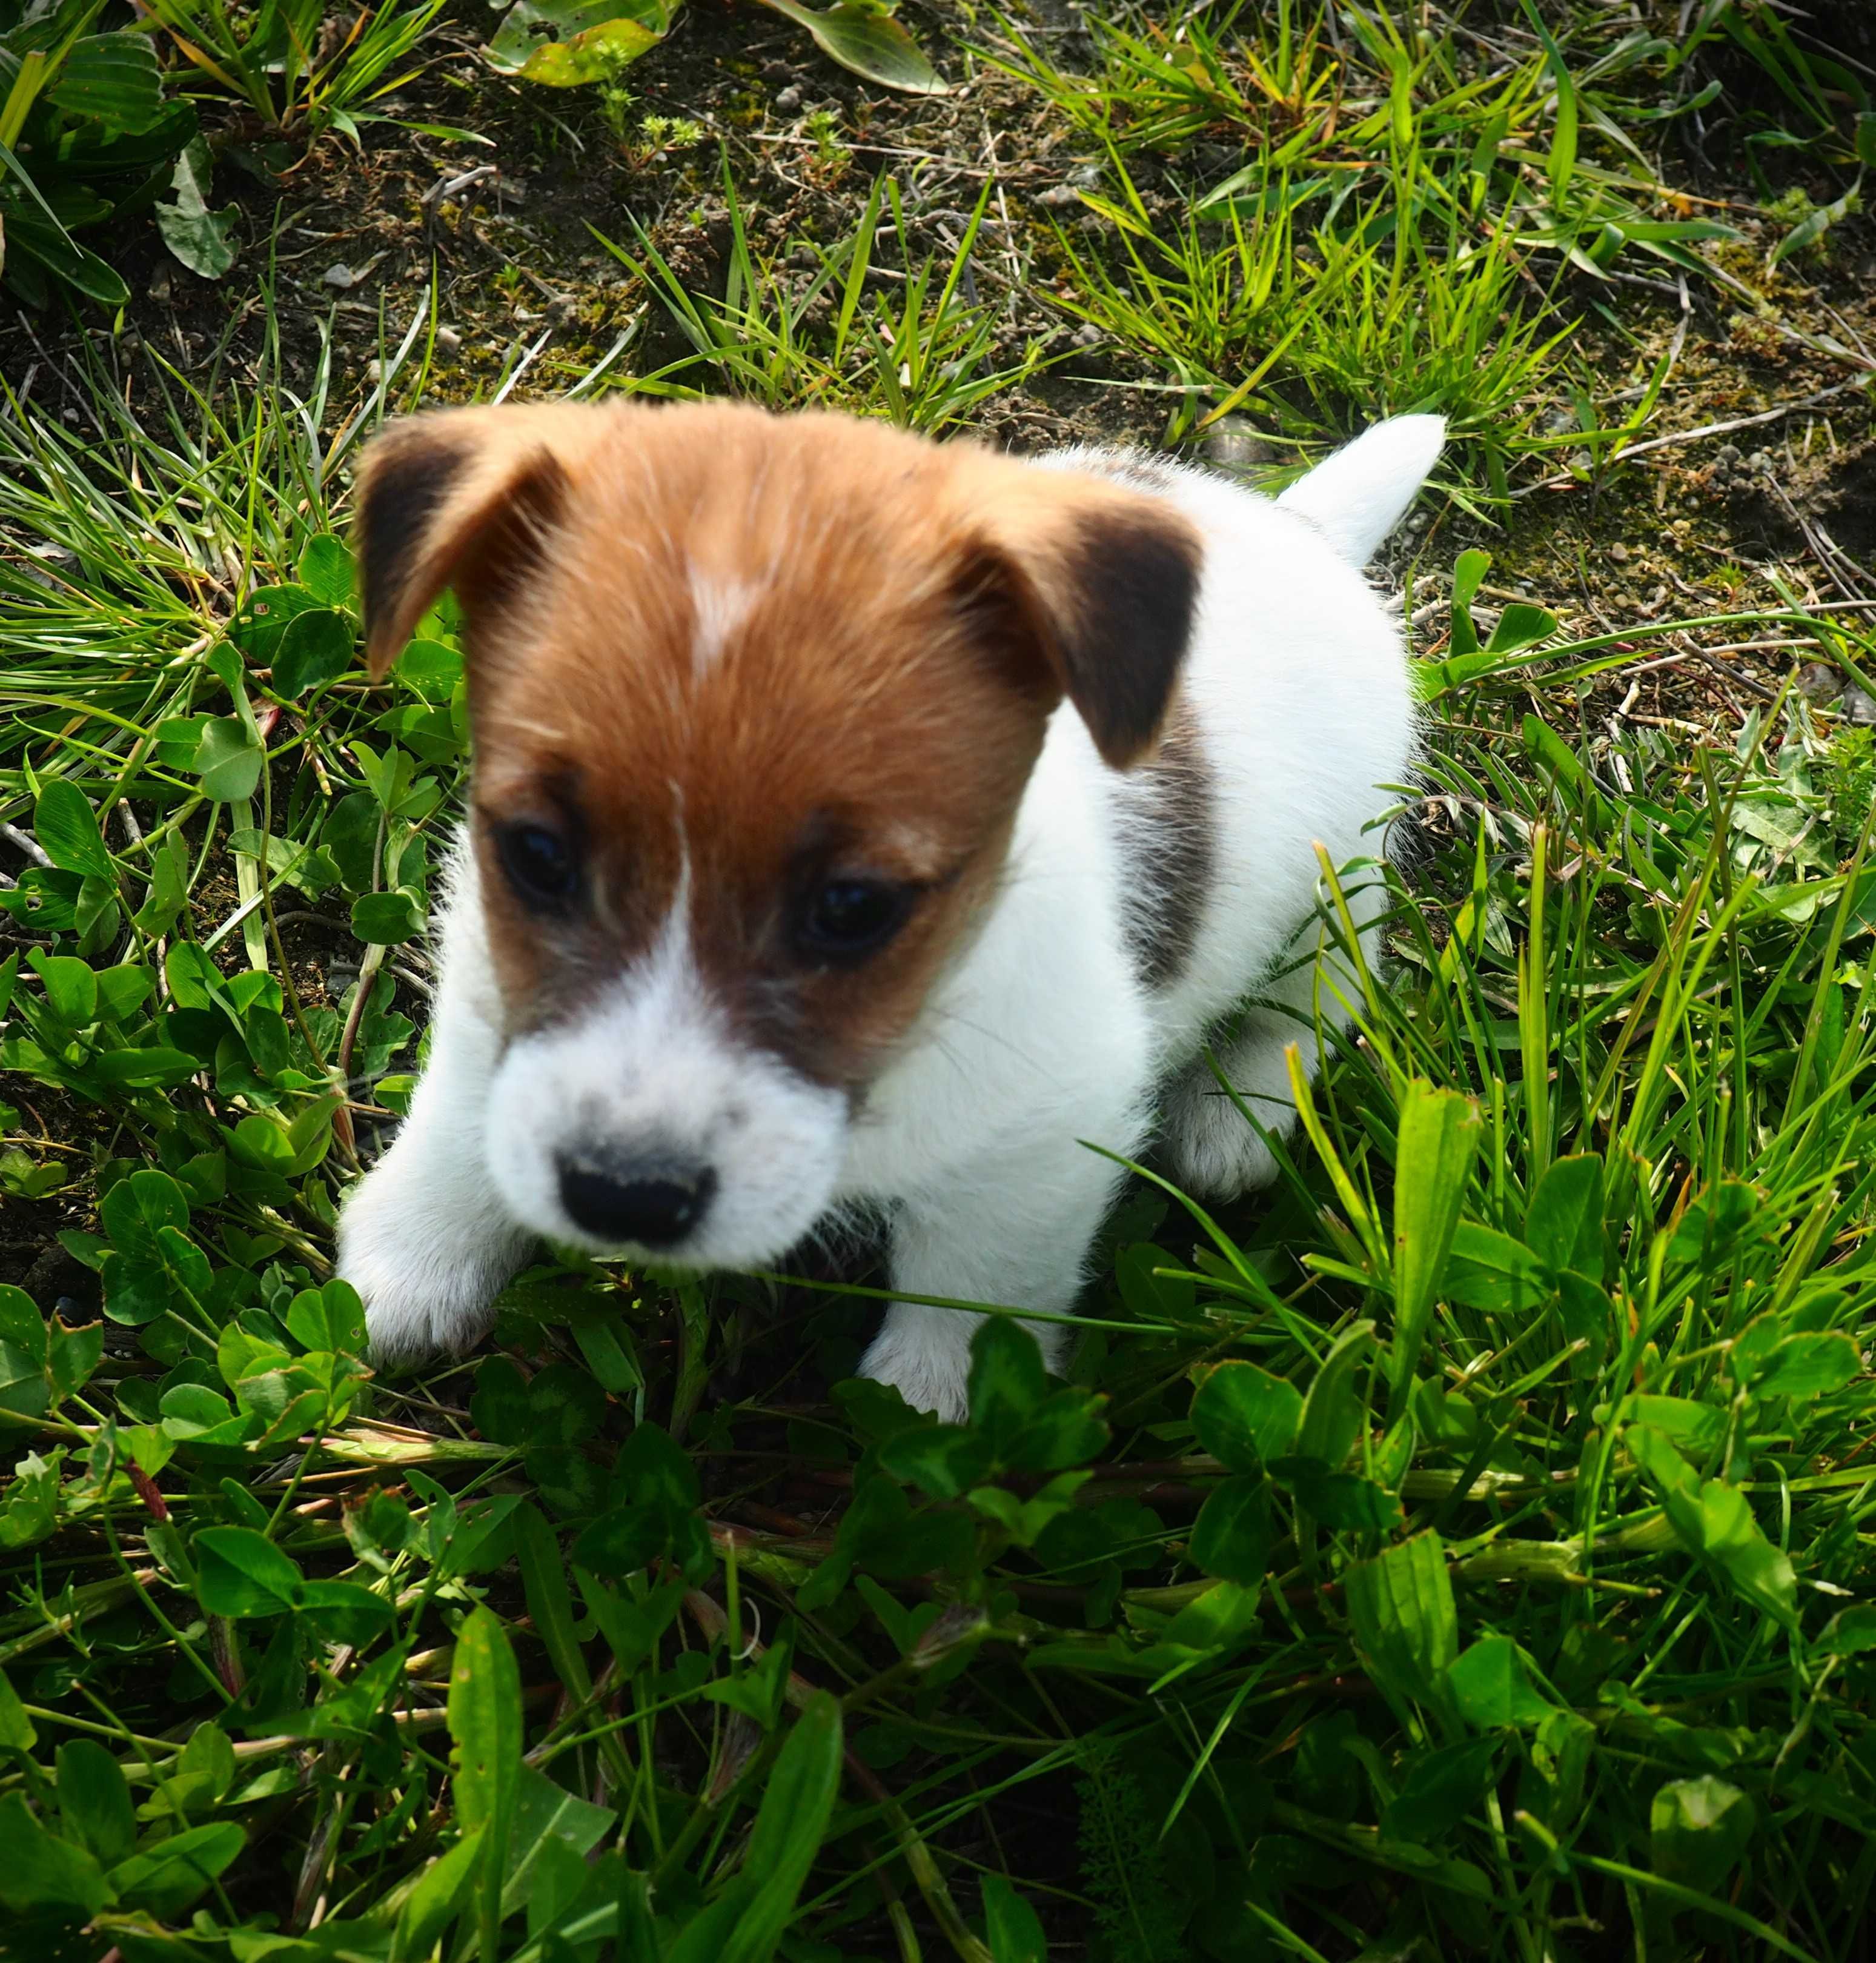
(1358, 495)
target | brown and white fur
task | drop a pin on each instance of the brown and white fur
(1061, 737)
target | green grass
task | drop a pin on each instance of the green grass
(1412, 209)
(1465, 1546)
(1461, 1551)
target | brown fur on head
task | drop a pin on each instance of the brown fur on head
(730, 657)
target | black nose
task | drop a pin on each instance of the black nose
(653, 1202)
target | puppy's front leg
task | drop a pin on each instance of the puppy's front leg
(1013, 1228)
(424, 1237)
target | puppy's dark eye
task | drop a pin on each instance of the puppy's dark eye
(845, 919)
(542, 865)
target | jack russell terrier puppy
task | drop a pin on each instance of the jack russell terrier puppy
(857, 820)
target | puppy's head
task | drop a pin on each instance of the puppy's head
(755, 701)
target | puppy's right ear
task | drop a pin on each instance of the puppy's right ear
(464, 498)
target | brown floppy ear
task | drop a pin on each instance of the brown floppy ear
(1105, 580)
(462, 497)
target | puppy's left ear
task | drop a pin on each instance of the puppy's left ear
(1104, 585)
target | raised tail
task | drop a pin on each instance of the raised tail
(1358, 494)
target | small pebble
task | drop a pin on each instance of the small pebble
(374, 372)
(1619, 553)
(788, 100)
(340, 275)
(1087, 335)
(1817, 681)
(1235, 444)
(1057, 196)
(449, 342)
(1760, 461)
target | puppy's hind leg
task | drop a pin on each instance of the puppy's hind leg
(1212, 1150)
(424, 1236)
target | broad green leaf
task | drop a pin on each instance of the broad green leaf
(430, 666)
(42, 1871)
(1468, 574)
(1563, 1225)
(565, 43)
(136, 1208)
(332, 1318)
(173, 1873)
(71, 987)
(1343, 1499)
(325, 571)
(388, 919)
(316, 648)
(1716, 1521)
(1810, 1365)
(1234, 1533)
(1697, 1830)
(24, 1394)
(144, 1069)
(1492, 1690)
(1008, 1384)
(95, 1805)
(1402, 1605)
(861, 35)
(242, 1573)
(433, 1903)
(112, 79)
(1026, 1520)
(1244, 1416)
(66, 828)
(1440, 1788)
(796, 1806)
(1332, 1411)
(545, 1812)
(17, 1732)
(1520, 626)
(202, 239)
(484, 1722)
(229, 760)
(1437, 1141)
(549, 1598)
(260, 624)
(342, 1611)
(21, 1325)
(1014, 1928)
(1490, 1270)
(1734, 1540)
(1720, 1216)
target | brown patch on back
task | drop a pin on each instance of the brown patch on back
(750, 652)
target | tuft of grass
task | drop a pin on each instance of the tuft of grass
(916, 343)
(1354, 213)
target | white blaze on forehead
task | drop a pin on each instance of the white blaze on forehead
(721, 604)
(655, 1068)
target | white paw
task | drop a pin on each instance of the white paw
(931, 1372)
(1212, 1150)
(428, 1284)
